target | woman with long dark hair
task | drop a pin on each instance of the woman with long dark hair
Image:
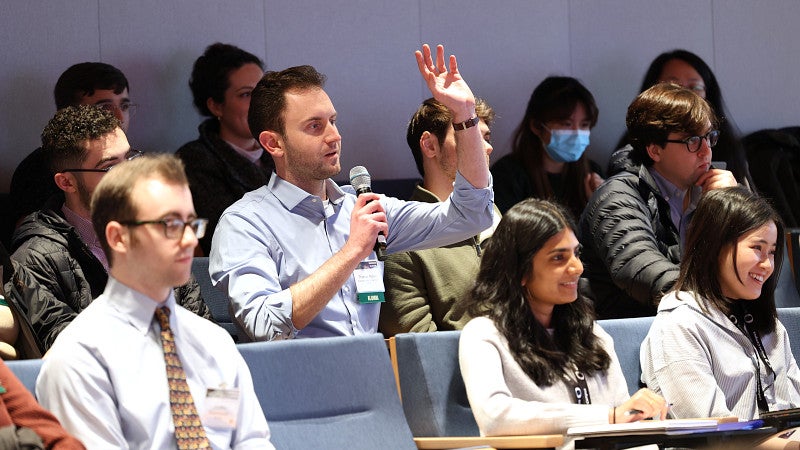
(533, 359)
(716, 347)
(548, 159)
(688, 70)
(225, 161)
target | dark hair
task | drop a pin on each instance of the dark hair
(663, 109)
(728, 149)
(434, 117)
(268, 99)
(498, 294)
(82, 79)
(722, 217)
(554, 99)
(113, 198)
(65, 136)
(211, 71)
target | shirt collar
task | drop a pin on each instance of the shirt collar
(82, 225)
(85, 231)
(668, 190)
(292, 196)
(673, 194)
(135, 306)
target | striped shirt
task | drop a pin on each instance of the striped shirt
(706, 367)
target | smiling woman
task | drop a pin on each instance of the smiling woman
(533, 359)
(718, 328)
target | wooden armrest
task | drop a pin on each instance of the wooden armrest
(506, 442)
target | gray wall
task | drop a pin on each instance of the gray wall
(505, 48)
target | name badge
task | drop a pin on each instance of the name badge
(221, 408)
(369, 282)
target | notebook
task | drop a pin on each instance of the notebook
(673, 426)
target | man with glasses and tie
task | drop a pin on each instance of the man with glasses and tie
(633, 227)
(134, 369)
(57, 244)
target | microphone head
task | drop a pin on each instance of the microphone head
(359, 177)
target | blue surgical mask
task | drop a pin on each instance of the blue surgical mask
(567, 145)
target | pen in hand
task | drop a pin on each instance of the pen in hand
(633, 412)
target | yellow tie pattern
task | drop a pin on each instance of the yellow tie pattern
(189, 431)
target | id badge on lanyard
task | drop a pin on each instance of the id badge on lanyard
(579, 387)
(369, 282)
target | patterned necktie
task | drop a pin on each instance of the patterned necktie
(189, 431)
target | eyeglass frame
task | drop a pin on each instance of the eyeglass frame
(132, 154)
(706, 137)
(198, 226)
(129, 108)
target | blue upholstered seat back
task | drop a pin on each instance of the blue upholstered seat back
(217, 301)
(328, 393)
(434, 397)
(786, 294)
(628, 335)
(790, 318)
(27, 371)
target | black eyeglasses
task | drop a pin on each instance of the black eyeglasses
(693, 143)
(129, 108)
(174, 228)
(132, 154)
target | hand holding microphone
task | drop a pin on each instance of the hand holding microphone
(362, 182)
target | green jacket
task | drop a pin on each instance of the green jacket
(425, 289)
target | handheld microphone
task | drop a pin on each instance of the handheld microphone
(362, 182)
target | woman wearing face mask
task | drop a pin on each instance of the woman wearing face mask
(548, 158)
(688, 70)
(716, 347)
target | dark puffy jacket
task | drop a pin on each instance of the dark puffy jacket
(218, 176)
(51, 249)
(631, 248)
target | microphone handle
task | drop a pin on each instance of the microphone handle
(380, 243)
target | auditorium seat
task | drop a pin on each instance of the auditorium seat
(628, 335)
(328, 393)
(434, 397)
(217, 301)
(790, 318)
(435, 400)
(27, 371)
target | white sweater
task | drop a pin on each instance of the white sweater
(505, 401)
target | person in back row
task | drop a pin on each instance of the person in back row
(548, 159)
(296, 256)
(135, 369)
(87, 83)
(634, 225)
(688, 70)
(716, 347)
(226, 161)
(57, 244)
(425, 288)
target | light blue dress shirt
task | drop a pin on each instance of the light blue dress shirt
(106, 381)
(280, 234)
(675, 197)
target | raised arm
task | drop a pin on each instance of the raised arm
(447, 86)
